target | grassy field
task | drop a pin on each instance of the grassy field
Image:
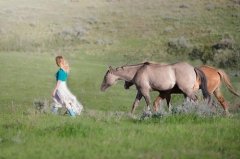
(93, 35)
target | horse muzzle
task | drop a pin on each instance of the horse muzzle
(104, 87)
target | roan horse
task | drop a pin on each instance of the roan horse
(214, 79)
(157, 77)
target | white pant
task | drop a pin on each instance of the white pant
(63, 97)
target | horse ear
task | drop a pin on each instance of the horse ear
(110, 69)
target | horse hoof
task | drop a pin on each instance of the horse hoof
(131, 115)
(227, 114)
(147, 113)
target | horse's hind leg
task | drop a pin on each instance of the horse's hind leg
(168, 98)
(221, 100)
(190, 94)
(156, 103)
(136, 102)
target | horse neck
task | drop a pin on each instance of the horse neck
(126, 73)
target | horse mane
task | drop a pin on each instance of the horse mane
(210, 67)
(147, 63)
(143, 63)
(132, 65)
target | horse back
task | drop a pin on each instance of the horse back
(155, 76)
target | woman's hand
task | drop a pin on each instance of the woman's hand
(53, 93)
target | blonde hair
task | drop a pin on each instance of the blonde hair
(61, 62)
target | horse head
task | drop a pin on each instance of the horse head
(109, 79)
(125, 73)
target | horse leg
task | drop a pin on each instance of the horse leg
(168, 98)
(148, 102)
(186, 98)
(146, 96)
(221, 100)
(136, 102)
(156, 103)
(190, 94)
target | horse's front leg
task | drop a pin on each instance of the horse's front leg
(147, 99)
(147, 112)
(136, 102)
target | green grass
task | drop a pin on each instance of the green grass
(98, 136)
(104, 130)
(114, 33)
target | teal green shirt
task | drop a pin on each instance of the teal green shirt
(61, 75)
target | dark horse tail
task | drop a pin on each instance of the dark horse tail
(203, 84)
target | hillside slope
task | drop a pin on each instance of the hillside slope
(137, 30)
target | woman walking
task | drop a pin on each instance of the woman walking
(61, 95)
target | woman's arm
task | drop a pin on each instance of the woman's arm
(56, 87)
